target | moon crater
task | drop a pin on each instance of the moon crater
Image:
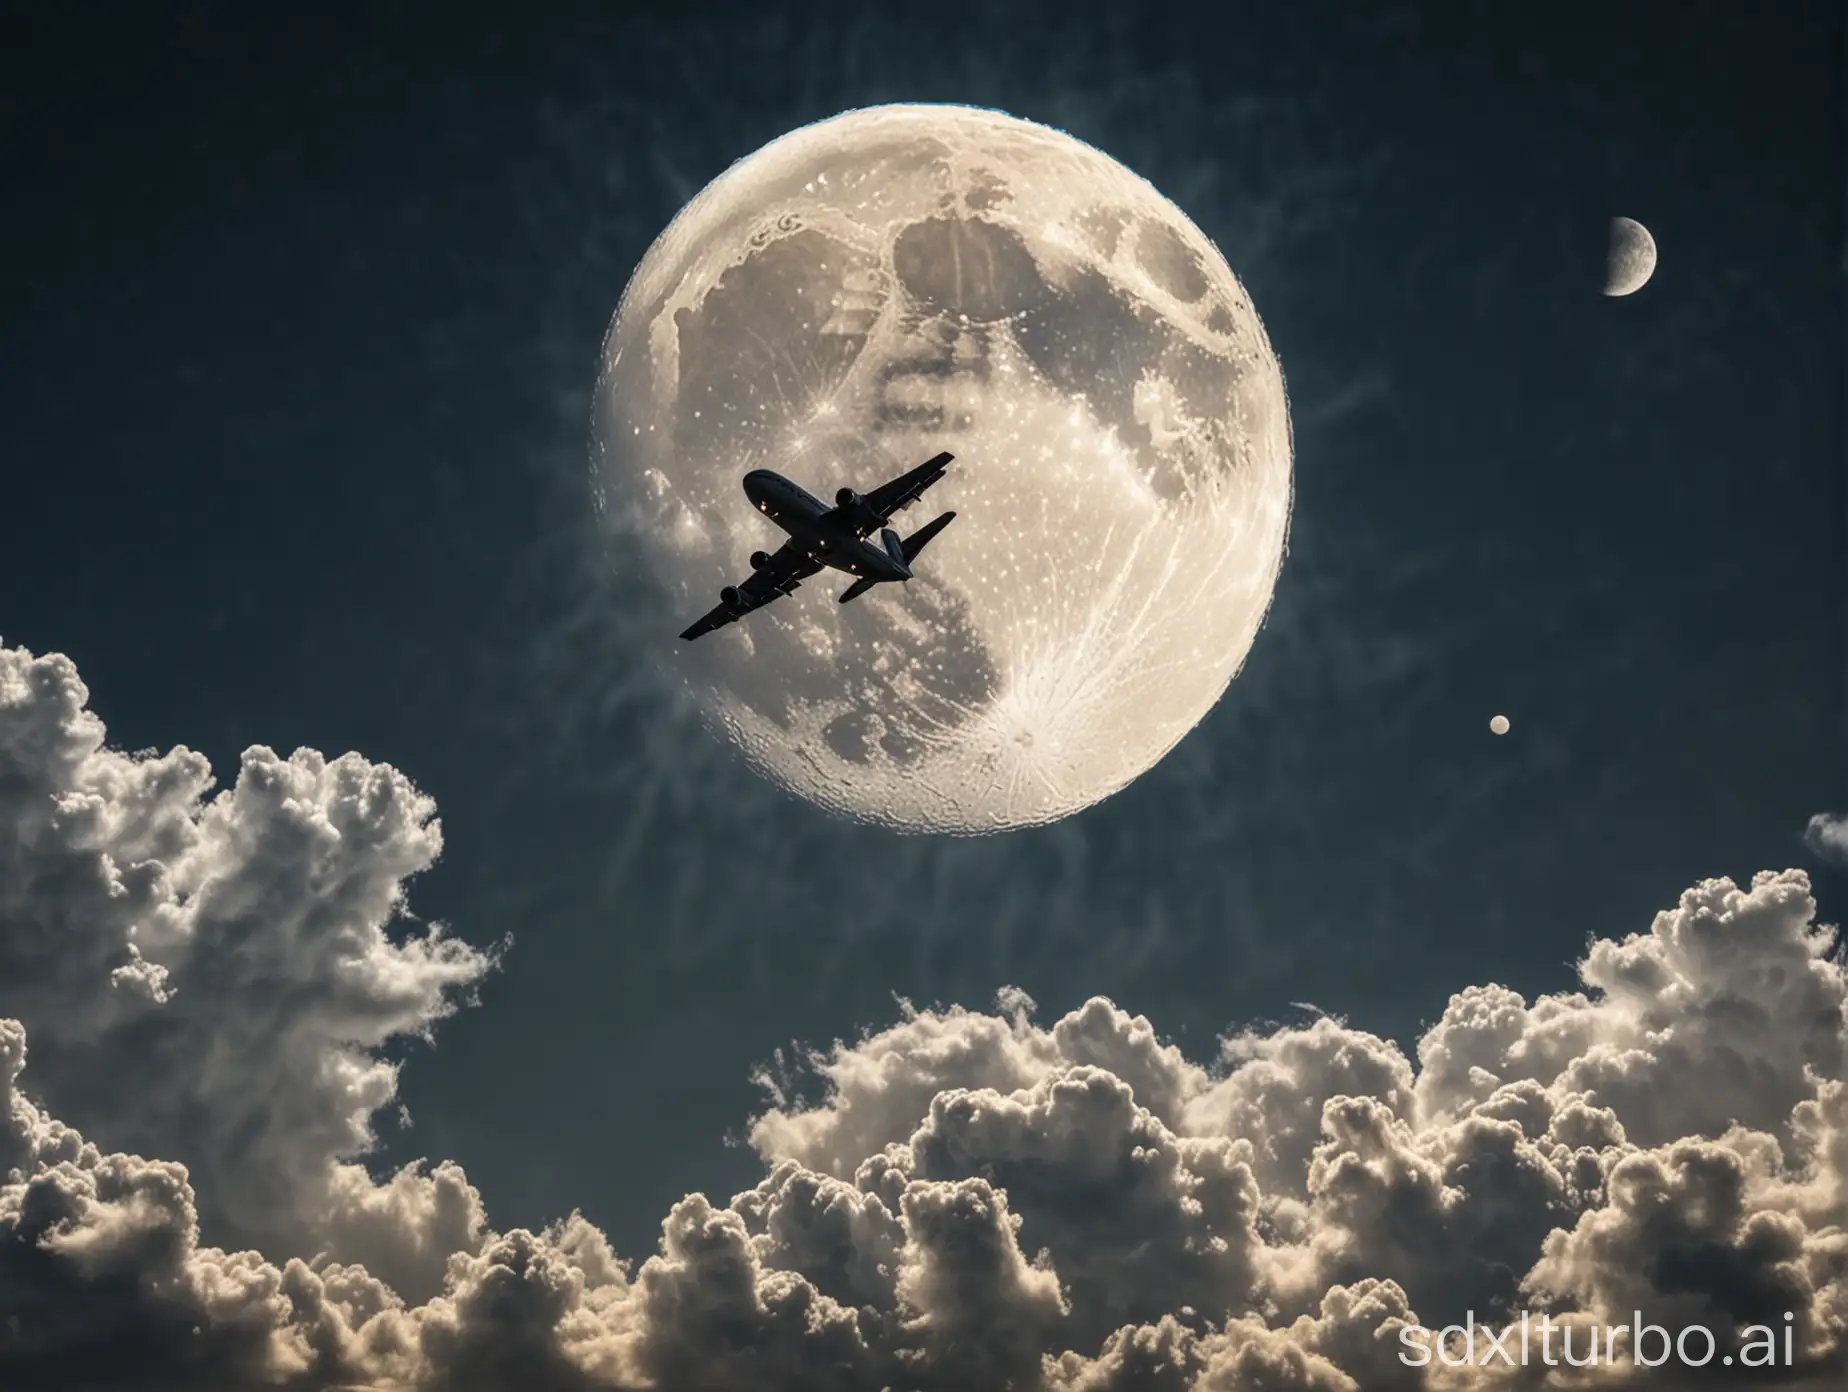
(869, 290)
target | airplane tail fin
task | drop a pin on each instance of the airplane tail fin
(905, 551)
(922, 537)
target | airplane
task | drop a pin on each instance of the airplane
(822, 537)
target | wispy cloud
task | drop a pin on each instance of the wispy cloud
(1827, 836)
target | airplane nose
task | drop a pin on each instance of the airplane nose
(755, 485)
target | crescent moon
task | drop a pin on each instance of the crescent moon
(1631, 259)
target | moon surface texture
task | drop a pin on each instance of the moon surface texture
(895, 281)
(1631, 259)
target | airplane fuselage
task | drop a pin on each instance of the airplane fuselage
(827, 535)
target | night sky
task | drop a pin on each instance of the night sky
(302, 319)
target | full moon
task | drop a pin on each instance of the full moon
(874, 288)
(1631, 259)
(1498, 725)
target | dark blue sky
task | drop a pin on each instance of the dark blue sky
(302, 314)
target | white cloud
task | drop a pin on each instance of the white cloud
(1827, 836)
(974, 1200)
(208, 977)
(1714, 1016)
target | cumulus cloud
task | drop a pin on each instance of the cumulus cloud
(209, 976)
(966, 1199)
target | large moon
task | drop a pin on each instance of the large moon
(1631, 259)
(874, 288)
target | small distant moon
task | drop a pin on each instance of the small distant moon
(1631, 259)
(1499, 725)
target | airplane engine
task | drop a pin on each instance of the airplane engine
(729, 595)
(853, 505)
(759, 560)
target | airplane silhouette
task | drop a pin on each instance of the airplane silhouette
(823, 537)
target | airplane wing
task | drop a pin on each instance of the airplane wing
(788, 568)
(905, 490)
